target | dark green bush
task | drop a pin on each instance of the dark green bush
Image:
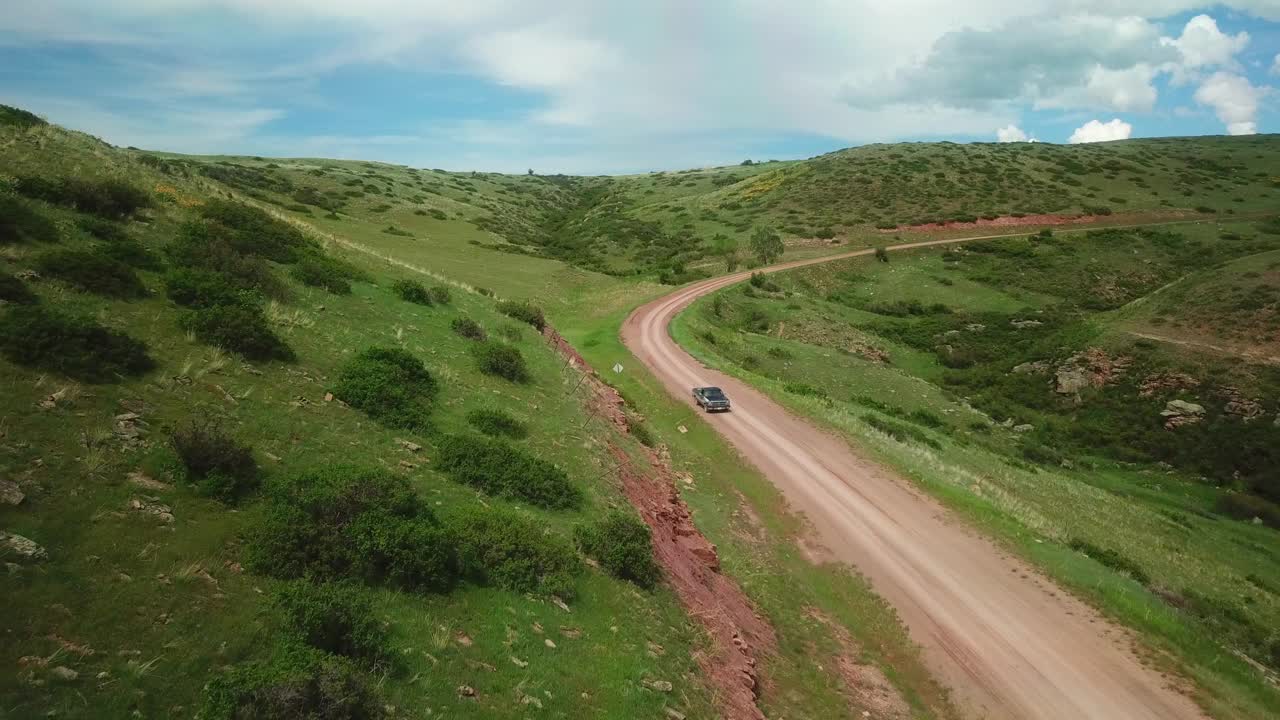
(342, 522)
(621, 543)
(468, 328)
(19, 118)
(1111, 559)
(102, 229)
(15, 291)
(131, 253)
(412, 291)
(640, 431)
(92, 272)
(297, 682)
(513, 551)
(253, 232)
(197, 288)
(441, 295)
(75, 346)
(22, 222)
(900, 431)
(524, 312)
(207, 246)
(882, 255)
(504, 470)
(504, 361)
(1243, 506)
(318, 270)
(109, 198)
(216, 463)
(337, 618)
(496, 423)
(240, 328)
(391, 386)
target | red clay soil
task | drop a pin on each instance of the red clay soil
(688, 560)
(1010, 221)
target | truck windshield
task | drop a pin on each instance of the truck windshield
(713, 393)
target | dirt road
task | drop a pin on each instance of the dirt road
(1005, 640)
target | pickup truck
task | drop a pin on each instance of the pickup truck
(712, 399)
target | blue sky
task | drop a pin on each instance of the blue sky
(588, 87)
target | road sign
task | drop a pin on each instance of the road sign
(617, 367)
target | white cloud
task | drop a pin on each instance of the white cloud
(1233, 99)
(1202, 44)
(1275, 66)
(1096, 131)
(1011, 134)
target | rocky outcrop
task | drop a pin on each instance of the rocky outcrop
(1164, 383)
(1092, 367)
(1177, 413)
(1240, 407)
(21, 548)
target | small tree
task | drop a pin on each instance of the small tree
(882, 255)
(766, 245)
(726, 246)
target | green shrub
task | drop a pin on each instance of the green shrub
(92, 272)
(240, 328)
(253, 232)
(524, 312)
(390, 385)
(75, 346)
(621, 543)
(496, 423)
(468, 328)
(882, 255)
(805, 389)
(15, 291)
(412, 291)
(102, 229)
(109, 198)
(824, 233)
(504, 361)
(640, 431)
(1111, 559)
(195, 288)
(297, 682)
(207, 246)
(900, 431)
(1243, 506)
(21, 222)
(926, 418)
(19, 118)
(318, 270)
(501, 469)
(131, 253)
(337, 618)
(342, 522)
(216, 463)
(441, 295)
(513, 551)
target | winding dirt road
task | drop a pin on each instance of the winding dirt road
(1006, 641)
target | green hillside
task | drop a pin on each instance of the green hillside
(1022, 380)
(268, 450)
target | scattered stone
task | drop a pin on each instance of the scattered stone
(518, 662)
(410, 446)
(682, 429)
(1022, 324)
(571, 633)
(1240, 407)
(478, 665)
(146, 482)
(10, 494)
(130, 428)
(1180, 412)
(559, 603)
(64, 673)
(658, 685)
(23, 548)
(1024, 428)
(1166, 382)
(1032, 368)
(655, 650)
(1092, 367)
(466, 691)
(328, 397)
(530, 700)
(462, 639)
(975, 327)
(406, 465)
(549, 643)
(673, 713)
(537, 628)
(160, 512)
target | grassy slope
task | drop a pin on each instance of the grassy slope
(1161, 521)
(164, 607)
